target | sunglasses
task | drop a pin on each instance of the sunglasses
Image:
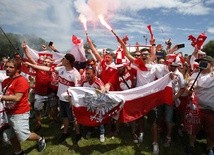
(137, 55)
(144, 54)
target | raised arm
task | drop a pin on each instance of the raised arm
(35, 66)
(94, 50)
(52, 47)
(128, 55)
(27, 53)
(153, 50)
(92, 55)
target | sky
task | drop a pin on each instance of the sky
(58, 20)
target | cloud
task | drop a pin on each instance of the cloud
(192, 7)
(57, 20)
(210, 30)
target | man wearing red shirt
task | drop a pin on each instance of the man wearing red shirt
(107, 65)
(43, 89)
(15, 90)
(92, 81)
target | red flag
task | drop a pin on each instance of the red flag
(75, 40)
(92, 111)
(201, 39)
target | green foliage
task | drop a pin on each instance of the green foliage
(209, 48)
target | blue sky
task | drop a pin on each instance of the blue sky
(57, 21)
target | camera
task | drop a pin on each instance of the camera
(203, 64)
(50, 43)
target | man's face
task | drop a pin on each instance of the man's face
(47, 62)
(17, 57)
(108, 58)
(10, 69)
(172, 68)
(90, 75)
(137, 55)
(145, 55)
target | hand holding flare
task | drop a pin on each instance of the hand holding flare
(104, 23)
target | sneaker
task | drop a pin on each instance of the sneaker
(41, 144)
(155, 149)
(210, 152)
(102, 138)
(63, 137)
(167, 142)
(140, 138)
(135, 138)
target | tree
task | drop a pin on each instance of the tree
(209, 48)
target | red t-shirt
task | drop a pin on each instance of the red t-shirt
(42, 82)
(129, 76)
(18, 85)
(108, 73)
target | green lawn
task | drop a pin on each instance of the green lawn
(121, 145)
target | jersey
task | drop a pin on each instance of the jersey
(17, 85)
(66, 79)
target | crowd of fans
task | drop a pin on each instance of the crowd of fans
(192, 83)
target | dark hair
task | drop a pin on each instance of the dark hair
(89, 61)
(144, 49)
(70, 58)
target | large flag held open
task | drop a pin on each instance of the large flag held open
(92, 108)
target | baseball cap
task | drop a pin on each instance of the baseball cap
(206, 58)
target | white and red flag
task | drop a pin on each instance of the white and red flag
(39, 56)
(77, 49)
(92, 108)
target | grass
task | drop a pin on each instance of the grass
(121, 145)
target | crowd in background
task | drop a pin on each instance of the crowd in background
(192, 83)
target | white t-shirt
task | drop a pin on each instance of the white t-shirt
(204, 88)
(66, 79)
(155, 71)
(2, 77)
(178, 81)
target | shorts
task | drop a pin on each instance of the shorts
(19, 127)
(65, 110)
(155, 115)
(207, 121)
(51, 100)
(169, 113)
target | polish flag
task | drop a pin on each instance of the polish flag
(92, 108)
(77, 49)
(39, 56)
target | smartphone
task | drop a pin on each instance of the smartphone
(50, 43)
(180, 46)
(203, 64)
